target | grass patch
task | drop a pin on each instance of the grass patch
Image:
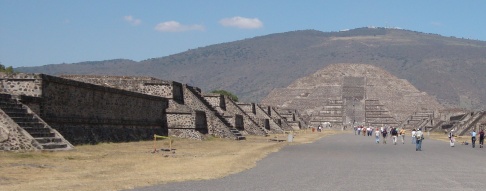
(116, 166)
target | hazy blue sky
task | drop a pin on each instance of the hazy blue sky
(40, 32)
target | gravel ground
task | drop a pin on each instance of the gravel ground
(350, 162)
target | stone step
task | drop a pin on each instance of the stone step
(43, 140)
(24, 119)
(14, 110)
(53, 146)
(37, 130)
(9, 103)
(5, 96)
(28, 115)
(42, 134)
(30, 124)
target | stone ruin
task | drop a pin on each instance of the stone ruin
(359, 94)
(43, 112)
(353, 94)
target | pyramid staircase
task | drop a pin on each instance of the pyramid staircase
(279, 119)
(200, 97)
(332, 112)
(469, 124)
(378, 115)
(262, 129)
(421, 125)
(437, 125)
(417, 120)
(270, 118)
(47, 137)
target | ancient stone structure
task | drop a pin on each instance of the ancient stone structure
(293, 118)
(353, 94)
(42, 112)
(85, 113)
(30, 128)
(228, 108)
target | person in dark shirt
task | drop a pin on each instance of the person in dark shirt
(481, 138)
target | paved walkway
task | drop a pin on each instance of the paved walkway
(349, 162)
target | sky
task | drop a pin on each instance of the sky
(42, 32)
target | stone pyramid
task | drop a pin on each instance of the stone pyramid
(353, 93)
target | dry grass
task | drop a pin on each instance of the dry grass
(128, 165)
(445, 138)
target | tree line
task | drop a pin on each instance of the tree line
(7, 70)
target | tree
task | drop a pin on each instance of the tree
(7, 70)
(226, 93)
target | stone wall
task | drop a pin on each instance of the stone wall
(168, 89)
(146, 85)
(21, 84)
(187, 133)
(216, 100)
(181, 120)
(184, 125)
(86, 113)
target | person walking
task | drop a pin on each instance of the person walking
(359, 130)
(394, 135)
(414, 140)
(419, 136)
(451, 138)
(481, 138)
(473, 138)
(384, 133)
(355, 130)
(377, 136)
(402, 134)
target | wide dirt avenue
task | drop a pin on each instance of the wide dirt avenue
(351, 162)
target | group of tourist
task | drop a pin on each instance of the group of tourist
(473, 138)
(416, 134)
(395, 133)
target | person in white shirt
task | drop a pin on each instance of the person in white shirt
(414, 141)
(419, 136)
(377, 135)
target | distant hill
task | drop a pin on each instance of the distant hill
(451, 69)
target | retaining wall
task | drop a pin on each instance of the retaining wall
(86, 113)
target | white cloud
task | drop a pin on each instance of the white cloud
(241, 22)
(132, 20)
(174, 26)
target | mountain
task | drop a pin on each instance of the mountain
(451, 69)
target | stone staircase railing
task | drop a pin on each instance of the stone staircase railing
(46, 136)
(461, 121)
(422, 124)
(437, 125)
(232, 129)
(471, 122)
(269, 117)
(265, 132)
